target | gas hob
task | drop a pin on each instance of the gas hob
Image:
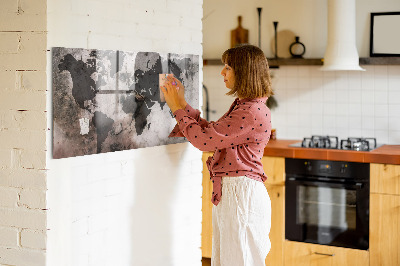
(332, 142)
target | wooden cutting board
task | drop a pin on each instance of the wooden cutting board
(239, 35)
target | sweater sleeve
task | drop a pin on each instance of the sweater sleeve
(229, 131)
(193, 113)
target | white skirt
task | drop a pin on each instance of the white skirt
(241, 223)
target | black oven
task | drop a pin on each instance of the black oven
(327, 202)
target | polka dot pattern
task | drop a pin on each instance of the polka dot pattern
(238, 139)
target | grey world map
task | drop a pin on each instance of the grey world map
(106, 101)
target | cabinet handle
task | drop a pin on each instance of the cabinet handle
(325, 254)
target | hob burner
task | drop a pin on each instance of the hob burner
(332, 142)
(358, 144)
(328, 142)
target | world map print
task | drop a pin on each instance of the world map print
(107, 101)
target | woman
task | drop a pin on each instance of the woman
(242, 208)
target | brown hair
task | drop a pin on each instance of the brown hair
(250, 66)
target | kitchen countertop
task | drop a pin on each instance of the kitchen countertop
(389, 154)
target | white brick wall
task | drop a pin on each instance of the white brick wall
(23, 132)
(33, 239)
(24, 256)
(23, 178)
(136, 207)
(8, 197)
(9, 237)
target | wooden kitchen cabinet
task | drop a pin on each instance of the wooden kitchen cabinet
(277, 233)
(305, 254)
(384, 236)
(385, 178)
(206, 225)
(274, 168)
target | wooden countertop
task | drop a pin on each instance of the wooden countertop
(389, 154)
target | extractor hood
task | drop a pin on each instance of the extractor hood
(341, 51)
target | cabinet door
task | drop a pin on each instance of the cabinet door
(206, 232)
(274, 168)
(385, 178)
(277, 233)
(384, 229)
(305, 254)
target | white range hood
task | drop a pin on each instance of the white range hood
(341, 51)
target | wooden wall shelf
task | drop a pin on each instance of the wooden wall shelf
(380, 61)
(295, 62)
(273, 63)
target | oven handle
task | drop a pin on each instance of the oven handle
(324, 254)
(357, 185)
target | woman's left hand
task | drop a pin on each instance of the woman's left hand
(170, 91)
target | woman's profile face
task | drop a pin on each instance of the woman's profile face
(229, 76)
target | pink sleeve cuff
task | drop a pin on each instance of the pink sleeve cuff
(178, 114)
(192, 112)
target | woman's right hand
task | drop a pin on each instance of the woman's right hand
(181, 91)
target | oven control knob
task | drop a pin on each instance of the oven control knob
(308, 166)
(343, 168)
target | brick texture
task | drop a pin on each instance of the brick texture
(23, 178)
(23, 139)
(8, 80)
(9, 42)
(33, 199)
(23, 100)
(5, 158)
(9, 237)
(23, 125)
(17, 256)
(23, 218)
(8, 197)
(33, 239)
(23, 119)
(31, 80)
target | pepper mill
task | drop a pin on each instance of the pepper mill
(276, 38)
(259, 26)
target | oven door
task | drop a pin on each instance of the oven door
(327, 213)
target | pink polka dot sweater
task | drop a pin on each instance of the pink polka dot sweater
(238, 139)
